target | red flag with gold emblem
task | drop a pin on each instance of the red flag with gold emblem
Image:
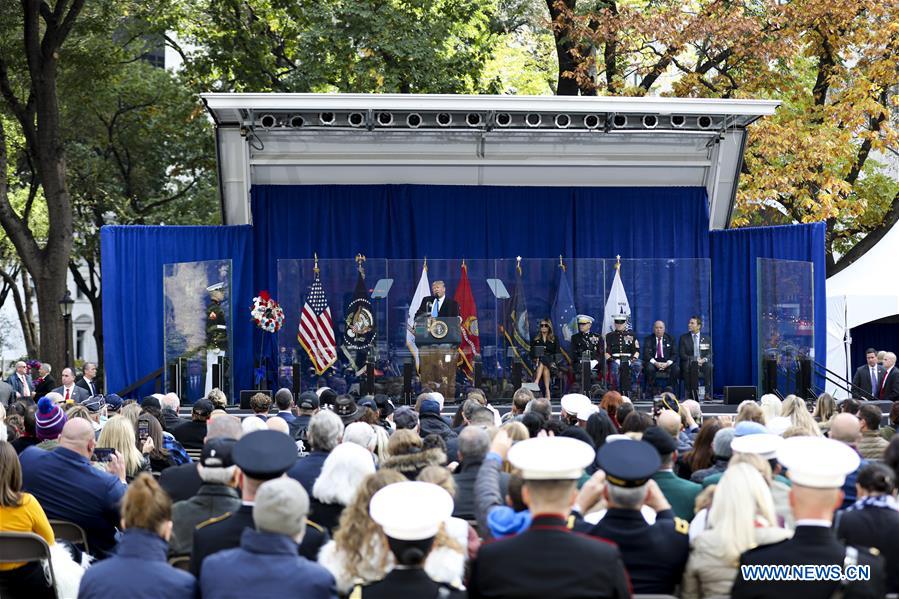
(468, 311)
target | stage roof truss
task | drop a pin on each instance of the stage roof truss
(296, 139)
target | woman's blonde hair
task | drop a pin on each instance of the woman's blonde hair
(118, 433)
(771, 406)
(749, 411)
(742, 498)
(145, 504)
(516, 431)
(794, 409)
(825, 408)
(131, 412)
(439, 476)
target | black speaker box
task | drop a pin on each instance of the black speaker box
(736, 395)
(246, 394)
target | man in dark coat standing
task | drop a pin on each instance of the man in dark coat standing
(868, 377)
(548, 559)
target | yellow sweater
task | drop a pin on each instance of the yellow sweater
(28, 516)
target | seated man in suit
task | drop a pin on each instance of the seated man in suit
(660, 355)
(69, 390)
(695, 351)
(889, 384)
(437, 304)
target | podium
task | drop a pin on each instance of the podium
(437, 340)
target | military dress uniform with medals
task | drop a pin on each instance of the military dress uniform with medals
(588, 345)
(216, 331)
(621, 346)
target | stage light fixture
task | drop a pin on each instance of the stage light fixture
(268, 121)
(678, 120)
(297, 121)
(650, 121)
(356, 119)
(385, 118)
(413, 120)
(704, 122)
(562, 121)
(619, 121)
(504, 119)
(444, 119)
(326, 118)
(591, 121)
(473, 119)
(533, 119)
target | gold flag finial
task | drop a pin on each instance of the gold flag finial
(424, 265)
(518, 264)
(360, 259)
(315, 266)
(618, 262)
(561, 264)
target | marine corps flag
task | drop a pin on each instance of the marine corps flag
(359, 318)
(468, 312)
(515, 326)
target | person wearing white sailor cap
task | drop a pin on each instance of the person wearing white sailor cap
(817, 468)
(586, 344)
(548, 559)
(410, 536)
(572, 403)
(216, 330)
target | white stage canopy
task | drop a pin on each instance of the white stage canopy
(864, 291)
(302, 139)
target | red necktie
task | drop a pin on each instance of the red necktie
(67, 395)
(884, 381)
(659, 349)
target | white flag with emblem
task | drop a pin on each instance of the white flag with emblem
(617, 302)
(422, 291)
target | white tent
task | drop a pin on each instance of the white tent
(864, 291)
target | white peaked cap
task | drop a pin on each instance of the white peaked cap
(551, 458)
(430, 506)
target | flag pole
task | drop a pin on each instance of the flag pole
(424, 265)
(561, 264)
(618, 262)
(315, 267)
(518, 264)
(360, 259)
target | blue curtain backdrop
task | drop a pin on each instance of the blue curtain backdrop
(734, 289)
(132, 263)
(445, 221)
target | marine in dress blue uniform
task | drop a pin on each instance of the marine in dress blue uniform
(549, 559)
(817, 468)
(654, 554)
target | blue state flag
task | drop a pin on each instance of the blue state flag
(564, 313)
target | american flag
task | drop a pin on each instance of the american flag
(316, 331)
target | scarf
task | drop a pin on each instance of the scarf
(875, 501)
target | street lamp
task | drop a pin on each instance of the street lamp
(65, 308)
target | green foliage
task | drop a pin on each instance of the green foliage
(408, 46)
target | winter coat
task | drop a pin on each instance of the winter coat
(411, 464)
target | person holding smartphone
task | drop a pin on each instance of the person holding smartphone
(119, 435)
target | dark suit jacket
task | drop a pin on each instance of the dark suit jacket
(47, 384)
(862, 379)
(889, 386)
(190, 434)
(83, 384)
(548, 560)
(449, 307)
(685, 348)
(874, 527)
(669, 351)
(809, 545)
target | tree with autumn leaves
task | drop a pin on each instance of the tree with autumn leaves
(833, 63)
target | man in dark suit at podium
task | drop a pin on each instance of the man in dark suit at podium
(868, 377)
(695, 351)
(438, 364)
(660, 355)
(438, 305)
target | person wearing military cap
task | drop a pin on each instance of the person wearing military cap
(587, 345)
(216, 330)
(217, 495)
(817, 467)
(307, 407)
(660, 355)
(572, 403)
(654, 554)
(548, 559)
(623, 354)
(410, 536)
(260, 456)
(679, 492)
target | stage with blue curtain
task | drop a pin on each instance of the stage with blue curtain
(411, 222)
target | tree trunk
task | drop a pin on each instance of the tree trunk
(29, 325)
(565, 86)
(91, 291)
(50, 288)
